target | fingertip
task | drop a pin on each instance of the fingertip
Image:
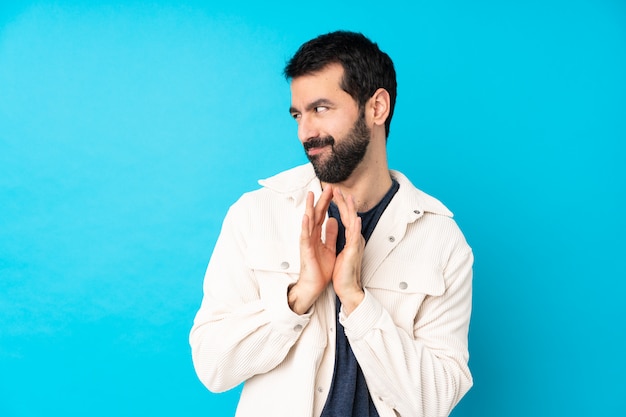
(332, 230)
(332, 223)
(305, 232)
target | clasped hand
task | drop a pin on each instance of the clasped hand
(319, 264)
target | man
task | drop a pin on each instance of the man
(338, 289)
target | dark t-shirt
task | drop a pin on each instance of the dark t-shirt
(349, 395)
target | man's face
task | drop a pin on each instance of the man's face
(331, 126)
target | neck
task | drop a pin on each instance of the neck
(368, 185)
(371, 179)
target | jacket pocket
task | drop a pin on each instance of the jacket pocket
(401, 287)
(275, 265)
(273, 256)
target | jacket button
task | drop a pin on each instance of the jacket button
(403, 285)
(284, 265)
(391, 239)
(297, 328)
(320, 389)
(416, 211)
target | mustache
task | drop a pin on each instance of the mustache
(318, 142)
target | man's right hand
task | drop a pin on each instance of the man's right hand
(317, 255)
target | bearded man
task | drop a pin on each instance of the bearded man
(338, 288)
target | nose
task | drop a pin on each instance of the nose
(307, 128)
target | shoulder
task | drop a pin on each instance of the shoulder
(280, 193)
(291, 180)
(284, 182)
(431, 222)
(414, 197)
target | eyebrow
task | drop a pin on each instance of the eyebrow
(311, 106)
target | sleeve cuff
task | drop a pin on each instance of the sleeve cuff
(283, 319)
(363, 318)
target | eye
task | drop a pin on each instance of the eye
(320, 109)
(296, 116)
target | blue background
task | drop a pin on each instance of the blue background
(128, 128)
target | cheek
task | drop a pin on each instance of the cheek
(338, 127)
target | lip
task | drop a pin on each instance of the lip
(317, 150)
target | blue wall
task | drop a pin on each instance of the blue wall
(128, 128)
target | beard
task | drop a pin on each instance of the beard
(344, 156)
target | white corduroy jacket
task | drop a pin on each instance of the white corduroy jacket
(409, 334)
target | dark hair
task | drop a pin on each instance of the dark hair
(366, 67)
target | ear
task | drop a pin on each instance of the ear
(379, 105)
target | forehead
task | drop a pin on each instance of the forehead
(323, 84)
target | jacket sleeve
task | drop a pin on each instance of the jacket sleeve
(424, 373)
(244, 326)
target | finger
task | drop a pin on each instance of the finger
(351, 203)
(347, 208)
(332, 230)
(307, 252)
(354, 225)
(340, 201)
(309, 212)
(322, 205)
(353, 233)
(304, 232)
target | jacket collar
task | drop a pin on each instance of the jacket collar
(294, 183)
(415, 200)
